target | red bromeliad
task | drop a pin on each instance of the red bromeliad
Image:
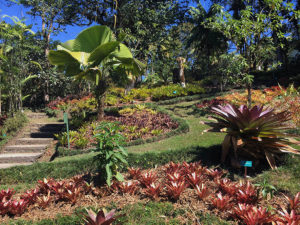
(4, 207)
(202, 191)
(286, 218)
(6, 194)
(153, 190)
(173, 167)
(241, 210)
(228, 186)
(135, 173)
(174, 189)
(45, 184)
(100, 218)
(18, 207)
(221, 202)
(129, 187)
(215, 173)
(256, 216)
(72, 195)
(194, 178)
(247, 193)
(175, 177)
(30, 196)
(147, 178)
(294, 203)
(44, 200)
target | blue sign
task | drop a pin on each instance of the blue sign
(246, 163)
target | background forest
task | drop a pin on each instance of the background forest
(233, 43)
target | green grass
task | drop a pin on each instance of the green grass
(150, 213)
(286, 178)
(194, 138)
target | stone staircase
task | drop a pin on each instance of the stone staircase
(31, 143)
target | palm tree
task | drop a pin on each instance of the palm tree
(93, 55)
(204, 41)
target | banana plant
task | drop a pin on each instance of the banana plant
(93, 55)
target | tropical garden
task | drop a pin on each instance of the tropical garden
(169, 112)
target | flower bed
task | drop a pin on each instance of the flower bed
(116, 96)
(193, 185)
(135, 123)
(276, 97)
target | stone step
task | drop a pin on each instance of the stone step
(37, 115)
(19, 157)
(32, 141)
(41, 135)
(8, 165)
(46, 129)
(25, 148)
(61, 125)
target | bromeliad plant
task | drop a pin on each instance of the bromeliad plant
(111, 157)
(101, 218)
(256, 132)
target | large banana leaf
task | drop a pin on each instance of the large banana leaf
(89, 39)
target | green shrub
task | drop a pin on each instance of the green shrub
(51, 112)
(117, 91)
(140, 94)
(111, 100)
(79, 110)
(175, 90)
(76, 138)
(111, 157)
(13, 124)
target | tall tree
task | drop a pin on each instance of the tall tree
(205, 42)
(54, 16)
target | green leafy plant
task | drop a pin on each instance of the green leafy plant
(94, 55)
(112, 156)
(267, 190)
(156, 132)
(255, 132)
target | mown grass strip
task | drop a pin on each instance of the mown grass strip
(139, 213)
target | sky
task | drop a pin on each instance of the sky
(71, 31)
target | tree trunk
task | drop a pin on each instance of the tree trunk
(249, 95)
(100, 94)
(0, 101)
(181, 62)
(100, 104)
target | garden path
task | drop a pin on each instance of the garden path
(31, 142)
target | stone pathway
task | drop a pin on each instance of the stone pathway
(31, 143)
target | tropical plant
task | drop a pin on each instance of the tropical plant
(202, 191)
(294, 203)
(101, 218)
(267, 190)
(174, 189)
(93, 55)
(256, 132)
(153, 190)
(111, 157)
(221, 202)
